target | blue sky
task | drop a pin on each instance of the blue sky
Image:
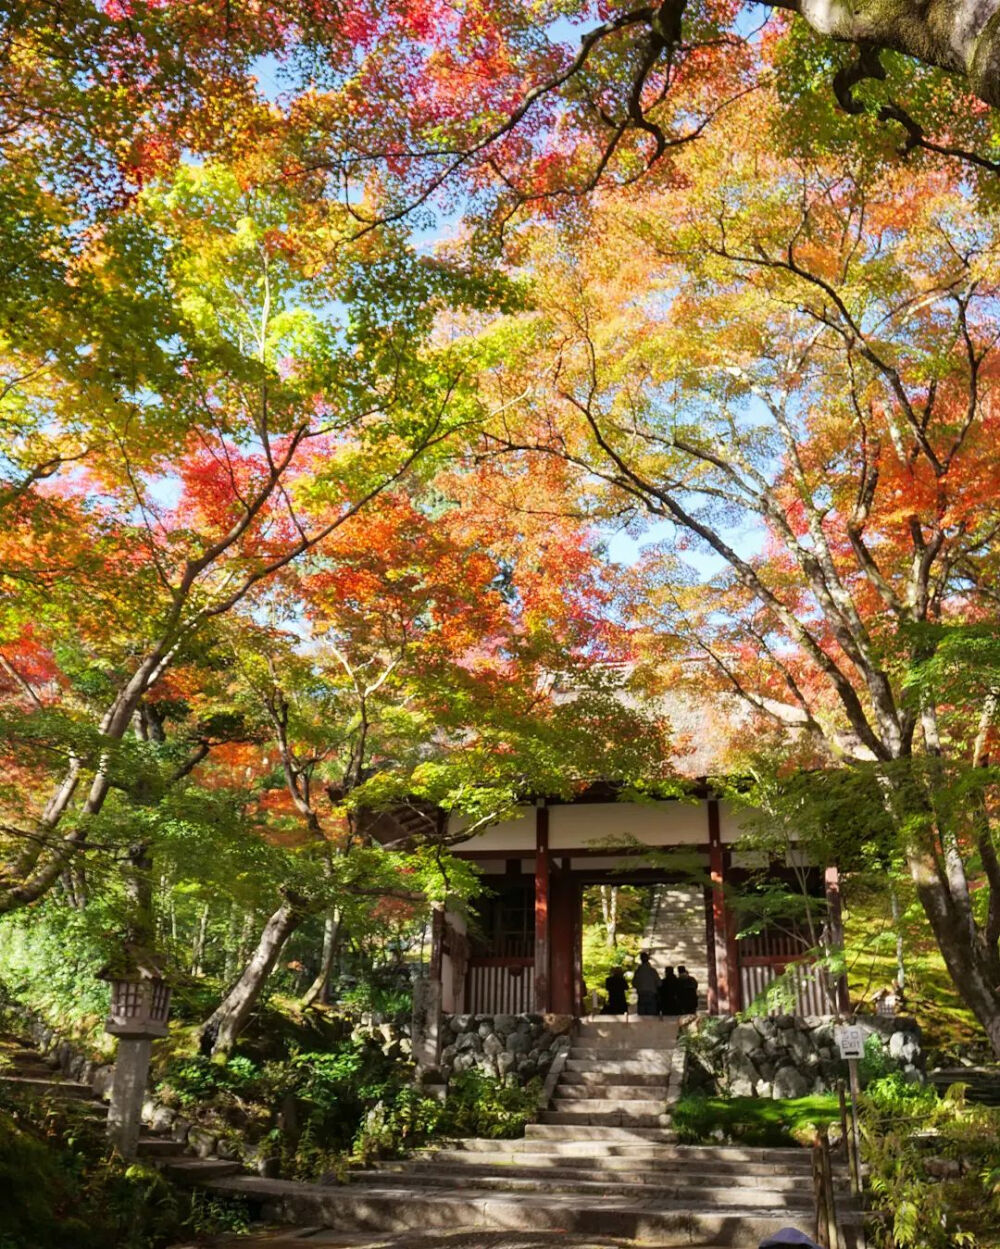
(622, 547)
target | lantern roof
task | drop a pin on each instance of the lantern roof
(133, 962)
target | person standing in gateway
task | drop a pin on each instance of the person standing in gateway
(616, 987)
(687, 992)
(646, 983)
(667, 995)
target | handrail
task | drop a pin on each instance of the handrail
(850, 1139)
(827, 1226)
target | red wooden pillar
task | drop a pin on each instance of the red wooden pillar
(727, 981)
(542, 909)
(563, 993)
(835, 920)
(712, 993)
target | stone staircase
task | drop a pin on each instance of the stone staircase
(675, 932)
(600, 1161)
(23, 1070)
(983, 1083)
(27, 1073)
(617, 1075)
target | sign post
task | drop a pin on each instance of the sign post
(851, 1040)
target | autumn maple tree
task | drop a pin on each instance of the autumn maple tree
(437, 674)
(386, 110)
(226, 334)
(240, 399)
(792, 368)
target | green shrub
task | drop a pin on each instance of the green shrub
(876, 1064)
(50, 956)
(932, 1166)
(59, 1186)
(390, 1001)
(478, 1105)
(197, 1080)
(309, 1109)
(396, 1122)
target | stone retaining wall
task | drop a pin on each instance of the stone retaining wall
(513, 1048)
(788, 1055)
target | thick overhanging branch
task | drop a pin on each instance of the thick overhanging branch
(961, 36)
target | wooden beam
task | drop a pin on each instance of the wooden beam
(583, 852)
(541, 909)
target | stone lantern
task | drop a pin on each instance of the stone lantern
(140, 1006)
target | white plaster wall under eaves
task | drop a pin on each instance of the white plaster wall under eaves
(591, 825)
(514, 834)
(596, 825)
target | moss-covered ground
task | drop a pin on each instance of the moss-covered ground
(752, 1120)
(949, 1027)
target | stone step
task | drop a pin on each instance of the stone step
(618, 1053)
(626, 1106)
(642, 1173)
(604, 1118)
(26, 1058)
(32, 1071)
(95, 1111)
(159, 1147)
(641, 1029)
(587, 1131)
(639, 1158)
(48, 1085)
(617, 1067)
(199, 1170)
(783, 1156)
(680, 1192)
(983, 1083)
(399, 1208)
(571, 1091)
(597, 1078)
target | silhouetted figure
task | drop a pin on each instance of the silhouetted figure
(646, 982)
(617, 988)
(687, 992)
(788, 1236)
(667, 993)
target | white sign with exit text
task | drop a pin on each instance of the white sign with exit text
(851, 1041)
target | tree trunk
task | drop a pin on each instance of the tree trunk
(198, 950)
(973, 968)
(896, 923)
(137, 873)
(961, 38)
(220, 1030)
(230, 961)
(74, 883)
(246, 932)
(318, 993)
(609, 908)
